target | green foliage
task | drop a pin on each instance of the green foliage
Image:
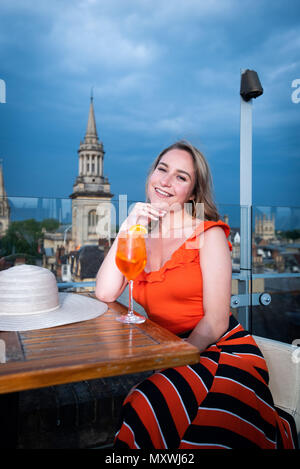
(50, 224)
(291, 234)
(24, 236)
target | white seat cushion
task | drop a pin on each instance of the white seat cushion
(283, 361)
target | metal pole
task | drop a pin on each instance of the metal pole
(65, 234)
(246, 207)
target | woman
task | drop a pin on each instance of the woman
(224, 400)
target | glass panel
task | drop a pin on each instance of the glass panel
(276, 270)
(281, 319)
(34, 228)
(49, 232)
(39, 231)
(231, 214)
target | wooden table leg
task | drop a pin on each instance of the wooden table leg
(9, 408)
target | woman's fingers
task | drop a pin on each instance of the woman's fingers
(148, 210)
(143, 213)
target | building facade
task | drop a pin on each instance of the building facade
(265, 227)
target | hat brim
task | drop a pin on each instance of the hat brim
(73, 308)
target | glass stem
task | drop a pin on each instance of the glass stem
(130, 308)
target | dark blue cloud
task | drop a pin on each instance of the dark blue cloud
(159, 74)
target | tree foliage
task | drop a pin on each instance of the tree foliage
(291, 234)
(50, 224)
(24, 236)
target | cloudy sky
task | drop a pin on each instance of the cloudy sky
(161, 70)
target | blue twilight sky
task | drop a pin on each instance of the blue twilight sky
(161, 70)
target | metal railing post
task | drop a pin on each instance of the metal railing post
(250, 88)
(245, 209)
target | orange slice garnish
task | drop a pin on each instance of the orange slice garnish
(138, 229)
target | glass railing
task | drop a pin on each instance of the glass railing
(276, 272)
(52, 233)
(272, 302)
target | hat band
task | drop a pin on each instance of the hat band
(31, 312)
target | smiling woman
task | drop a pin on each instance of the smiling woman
(169, 181)
(224, 400)
(195, 177)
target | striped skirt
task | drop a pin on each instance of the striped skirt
(221, 402)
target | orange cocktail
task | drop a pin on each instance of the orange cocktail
(131, 258)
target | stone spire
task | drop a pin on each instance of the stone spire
(91, 131)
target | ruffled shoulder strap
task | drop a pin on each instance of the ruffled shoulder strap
(209, 224)
(194, 241)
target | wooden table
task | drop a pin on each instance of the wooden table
(96, 348)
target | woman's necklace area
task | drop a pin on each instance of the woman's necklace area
(181, 225)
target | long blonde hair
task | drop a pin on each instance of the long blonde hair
(203, 188)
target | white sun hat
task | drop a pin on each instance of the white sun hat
(29, 299)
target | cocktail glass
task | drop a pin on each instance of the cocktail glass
(131, 258)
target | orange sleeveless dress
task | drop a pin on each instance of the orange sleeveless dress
(221, 402)
(172, 296)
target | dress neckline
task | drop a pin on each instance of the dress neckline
(177, 249)
(177, 258)
(201, 225)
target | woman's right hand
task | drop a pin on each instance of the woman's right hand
(110, 282)
(142, 214)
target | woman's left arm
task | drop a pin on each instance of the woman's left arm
(216, 267)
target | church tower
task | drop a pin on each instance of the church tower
(4, 206)
(91, 192)
(265, 227)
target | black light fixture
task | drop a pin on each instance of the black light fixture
(250, 85)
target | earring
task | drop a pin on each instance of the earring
(193, 207)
